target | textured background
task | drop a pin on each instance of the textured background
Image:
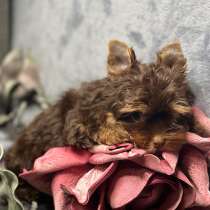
(4, 27)
(69, 38)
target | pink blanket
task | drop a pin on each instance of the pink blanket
(122, 177)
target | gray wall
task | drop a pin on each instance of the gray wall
(69, 38)
(4, 27)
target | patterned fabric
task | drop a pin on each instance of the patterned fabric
(8, 185)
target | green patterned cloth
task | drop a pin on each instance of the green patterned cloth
(8, 185)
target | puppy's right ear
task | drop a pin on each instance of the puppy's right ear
(120, 58)
(172, 56)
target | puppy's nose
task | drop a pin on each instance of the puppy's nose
(157, 140)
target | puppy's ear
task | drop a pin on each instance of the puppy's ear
(120, 58)
(172, 56)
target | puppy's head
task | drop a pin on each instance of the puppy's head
(148, 104)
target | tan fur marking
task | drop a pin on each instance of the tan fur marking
(181, 108)
(112, 132)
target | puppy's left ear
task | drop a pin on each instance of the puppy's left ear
(172, 56)
(121, 58)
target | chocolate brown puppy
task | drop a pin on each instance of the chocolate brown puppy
(147, 104)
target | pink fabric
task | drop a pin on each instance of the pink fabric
(123, 177)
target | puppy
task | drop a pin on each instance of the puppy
(146, 104)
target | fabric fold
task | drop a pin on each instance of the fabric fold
(194, 165)
(127, 184)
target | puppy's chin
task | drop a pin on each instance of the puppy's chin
(172, 142)
(162, 142)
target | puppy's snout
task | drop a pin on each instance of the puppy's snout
(157, 140)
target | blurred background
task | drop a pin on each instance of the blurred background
(68, 39)
(5, 27)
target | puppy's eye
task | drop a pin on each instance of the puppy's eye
(130, 117)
